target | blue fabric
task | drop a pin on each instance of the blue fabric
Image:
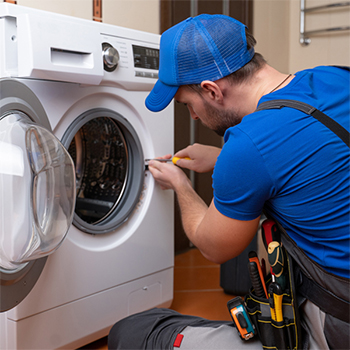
(295, 166)
(205, 47)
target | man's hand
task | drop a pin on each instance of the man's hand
(168, 176)
(203, 157)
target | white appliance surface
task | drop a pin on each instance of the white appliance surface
(92, 280)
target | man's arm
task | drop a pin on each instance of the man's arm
(222, 237)
(218, 237)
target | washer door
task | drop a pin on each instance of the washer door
(37, 186)
(110, 167)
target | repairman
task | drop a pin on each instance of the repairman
(278, 159)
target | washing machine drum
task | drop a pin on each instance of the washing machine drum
(109, 169)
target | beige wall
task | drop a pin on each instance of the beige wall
(271, 30)
(276, 28)
(135, 14)
(76, 8)
(330, 48)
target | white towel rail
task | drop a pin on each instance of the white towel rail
(304, 35)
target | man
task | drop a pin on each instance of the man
(281, 160)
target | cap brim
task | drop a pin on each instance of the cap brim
(160, 96)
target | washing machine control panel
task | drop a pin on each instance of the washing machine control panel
(132, 64)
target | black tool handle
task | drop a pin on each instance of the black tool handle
(277, 260)
(255, 278)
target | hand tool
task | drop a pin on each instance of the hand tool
(254, 258)
(255, 279)
(171, 160)
(275, 301)
(272, 303)
(277, 260)
(240, 317)
(277, 298)
(269, 232)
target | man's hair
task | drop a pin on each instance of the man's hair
(247, 71)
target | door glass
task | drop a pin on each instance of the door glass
(37, 186)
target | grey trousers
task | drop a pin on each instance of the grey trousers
(162, 328)
(222, 337)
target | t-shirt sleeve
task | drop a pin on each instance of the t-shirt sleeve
(241, 181)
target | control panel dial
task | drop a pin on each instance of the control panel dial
(110, 57)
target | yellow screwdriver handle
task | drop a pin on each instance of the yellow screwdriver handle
(175, 159)
(278, 307)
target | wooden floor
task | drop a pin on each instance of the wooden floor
(197, 291)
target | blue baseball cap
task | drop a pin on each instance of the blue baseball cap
(205, 47)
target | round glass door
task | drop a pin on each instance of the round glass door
(109, 166)
(37, 186)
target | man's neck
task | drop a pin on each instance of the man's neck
(248, 94)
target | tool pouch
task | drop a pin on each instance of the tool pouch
(276, 335)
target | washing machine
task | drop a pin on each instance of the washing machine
(86, 236)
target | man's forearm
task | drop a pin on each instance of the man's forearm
(193, 210)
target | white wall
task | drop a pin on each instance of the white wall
(276, 28)
(135, 14)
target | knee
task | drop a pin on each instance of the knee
(120, 335)
(132, 332)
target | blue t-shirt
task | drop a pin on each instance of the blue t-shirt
(296, 167)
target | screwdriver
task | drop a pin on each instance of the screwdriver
(275, 301)
(172, 160)
(277, 298)
(277, 261)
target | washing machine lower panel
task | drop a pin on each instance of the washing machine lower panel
(82, 321)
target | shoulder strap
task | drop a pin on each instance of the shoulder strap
(330, 123)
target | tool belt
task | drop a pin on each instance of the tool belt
(305, 280)
(271, 308)
(278, 327)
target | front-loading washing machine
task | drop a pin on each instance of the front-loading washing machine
(86, 236)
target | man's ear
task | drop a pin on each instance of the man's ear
(212, 91)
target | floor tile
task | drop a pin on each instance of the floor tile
(193, 257)
(196, 278)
